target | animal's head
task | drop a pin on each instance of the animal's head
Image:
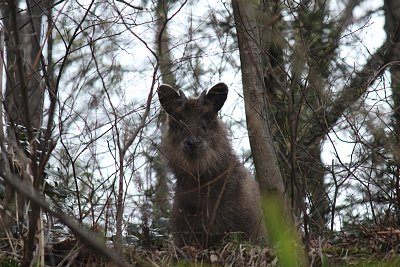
(193, 122)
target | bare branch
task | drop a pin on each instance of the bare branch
(36, 198)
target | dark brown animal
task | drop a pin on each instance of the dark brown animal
(215, 194)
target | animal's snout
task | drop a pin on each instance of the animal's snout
(192, 144)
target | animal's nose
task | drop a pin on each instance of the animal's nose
(192, 143)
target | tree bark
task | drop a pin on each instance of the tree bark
(161, 195)
(23, 87)
(163, 42)
(262, 144)
(392, 29)
(24, 97)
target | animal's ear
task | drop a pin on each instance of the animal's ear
(170, 99)
(217, 95)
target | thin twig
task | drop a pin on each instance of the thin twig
(130, 5)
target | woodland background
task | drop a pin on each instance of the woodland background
(313, 112)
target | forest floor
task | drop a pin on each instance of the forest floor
(360, 246)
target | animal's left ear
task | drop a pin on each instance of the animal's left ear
(217, 96)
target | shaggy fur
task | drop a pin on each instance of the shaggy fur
(215, 194)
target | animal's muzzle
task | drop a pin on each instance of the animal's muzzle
(192, 144)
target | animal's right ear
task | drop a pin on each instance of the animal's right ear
(217, 95)
(170, 99)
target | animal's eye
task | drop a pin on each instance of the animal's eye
(177, 125)
(204, 125)
(182, 125)
(207, 118)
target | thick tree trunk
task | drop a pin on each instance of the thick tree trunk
(15, 99)
(261, 141)
(162, 193)
(163, 43)
(23, 101)
(392, 28)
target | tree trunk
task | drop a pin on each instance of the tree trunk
(163, 40)
(23, 101)
(261, 141)
(25, 79)
(161, 195)
(392, 28)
